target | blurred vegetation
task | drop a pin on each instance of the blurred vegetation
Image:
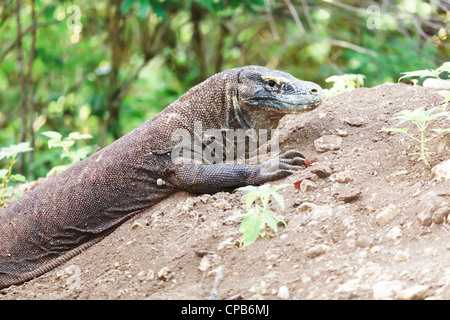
(104, 67)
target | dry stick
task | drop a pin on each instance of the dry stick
(294, 13)
(29, 79)
(215, 289)
(23, 105)
(272, 25)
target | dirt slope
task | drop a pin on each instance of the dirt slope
(336, 244)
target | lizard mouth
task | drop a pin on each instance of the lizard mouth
(285, 104)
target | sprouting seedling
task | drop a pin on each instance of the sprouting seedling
(6, 175)
(421, 118)
(441, 74)
(258, 215)
(74, 156)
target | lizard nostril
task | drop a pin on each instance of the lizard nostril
(314, 91)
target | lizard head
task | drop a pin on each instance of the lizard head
(265, 95)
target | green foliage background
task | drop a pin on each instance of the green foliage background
(132, 58)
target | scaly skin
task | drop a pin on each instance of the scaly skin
(80, 206)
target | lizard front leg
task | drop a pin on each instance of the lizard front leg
(200, 178)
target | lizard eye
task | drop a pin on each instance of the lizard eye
(271, 83)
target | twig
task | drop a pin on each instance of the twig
(348, 45)
(215, 289)
(294, 13)
(308, 15)
(273, 27)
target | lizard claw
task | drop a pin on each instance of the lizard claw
(282, 166)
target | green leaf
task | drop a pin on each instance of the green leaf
(279, 198)
(18, 178)
(20, 148)
(268, 218)
(52, 135)
(441, 130)
(250, 198)
(250, 227)
(247, 188)
(418, 73)
(79, 136)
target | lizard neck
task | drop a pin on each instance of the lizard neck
(246, 118)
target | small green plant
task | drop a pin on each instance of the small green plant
(441, 75)
(74, 156)
(258, 214)
(6, 175)
(421, 118)
(344, 82)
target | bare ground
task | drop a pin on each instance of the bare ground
(336, 244)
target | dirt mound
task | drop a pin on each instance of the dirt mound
(354, 234)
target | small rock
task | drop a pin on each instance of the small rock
(387, 289)
(354, 122)
(307, 185)
(442, 170)
(164, 274)
(349, 195)
(401, 256)
(222, 204)
(387, 214)
(305, 207)
(260, 288)
(328, 142)
(204, 263)
(136, 225)
(418, 292)
(317, 250)
(394, 233)
(344, 177)
(432, 208)
(342, 133)
(322, 170)
(364, 241)
(207, 261)
(283, 293)
(440, 214)
(150, 275)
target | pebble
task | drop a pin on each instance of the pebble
(349, 195)
(401, 256)
(317, 250)
(305, 207)
(364, 241)
(387, 289)
(394, 233)
(417, 292)
(307, 185)
(328, 142)
(283, 293)
(164, 274)
(322, 170)
(441, 171)
(344, 177)
(387, 214)
(432, 208)
(354, 122)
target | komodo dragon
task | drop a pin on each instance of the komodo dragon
(81, 205)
